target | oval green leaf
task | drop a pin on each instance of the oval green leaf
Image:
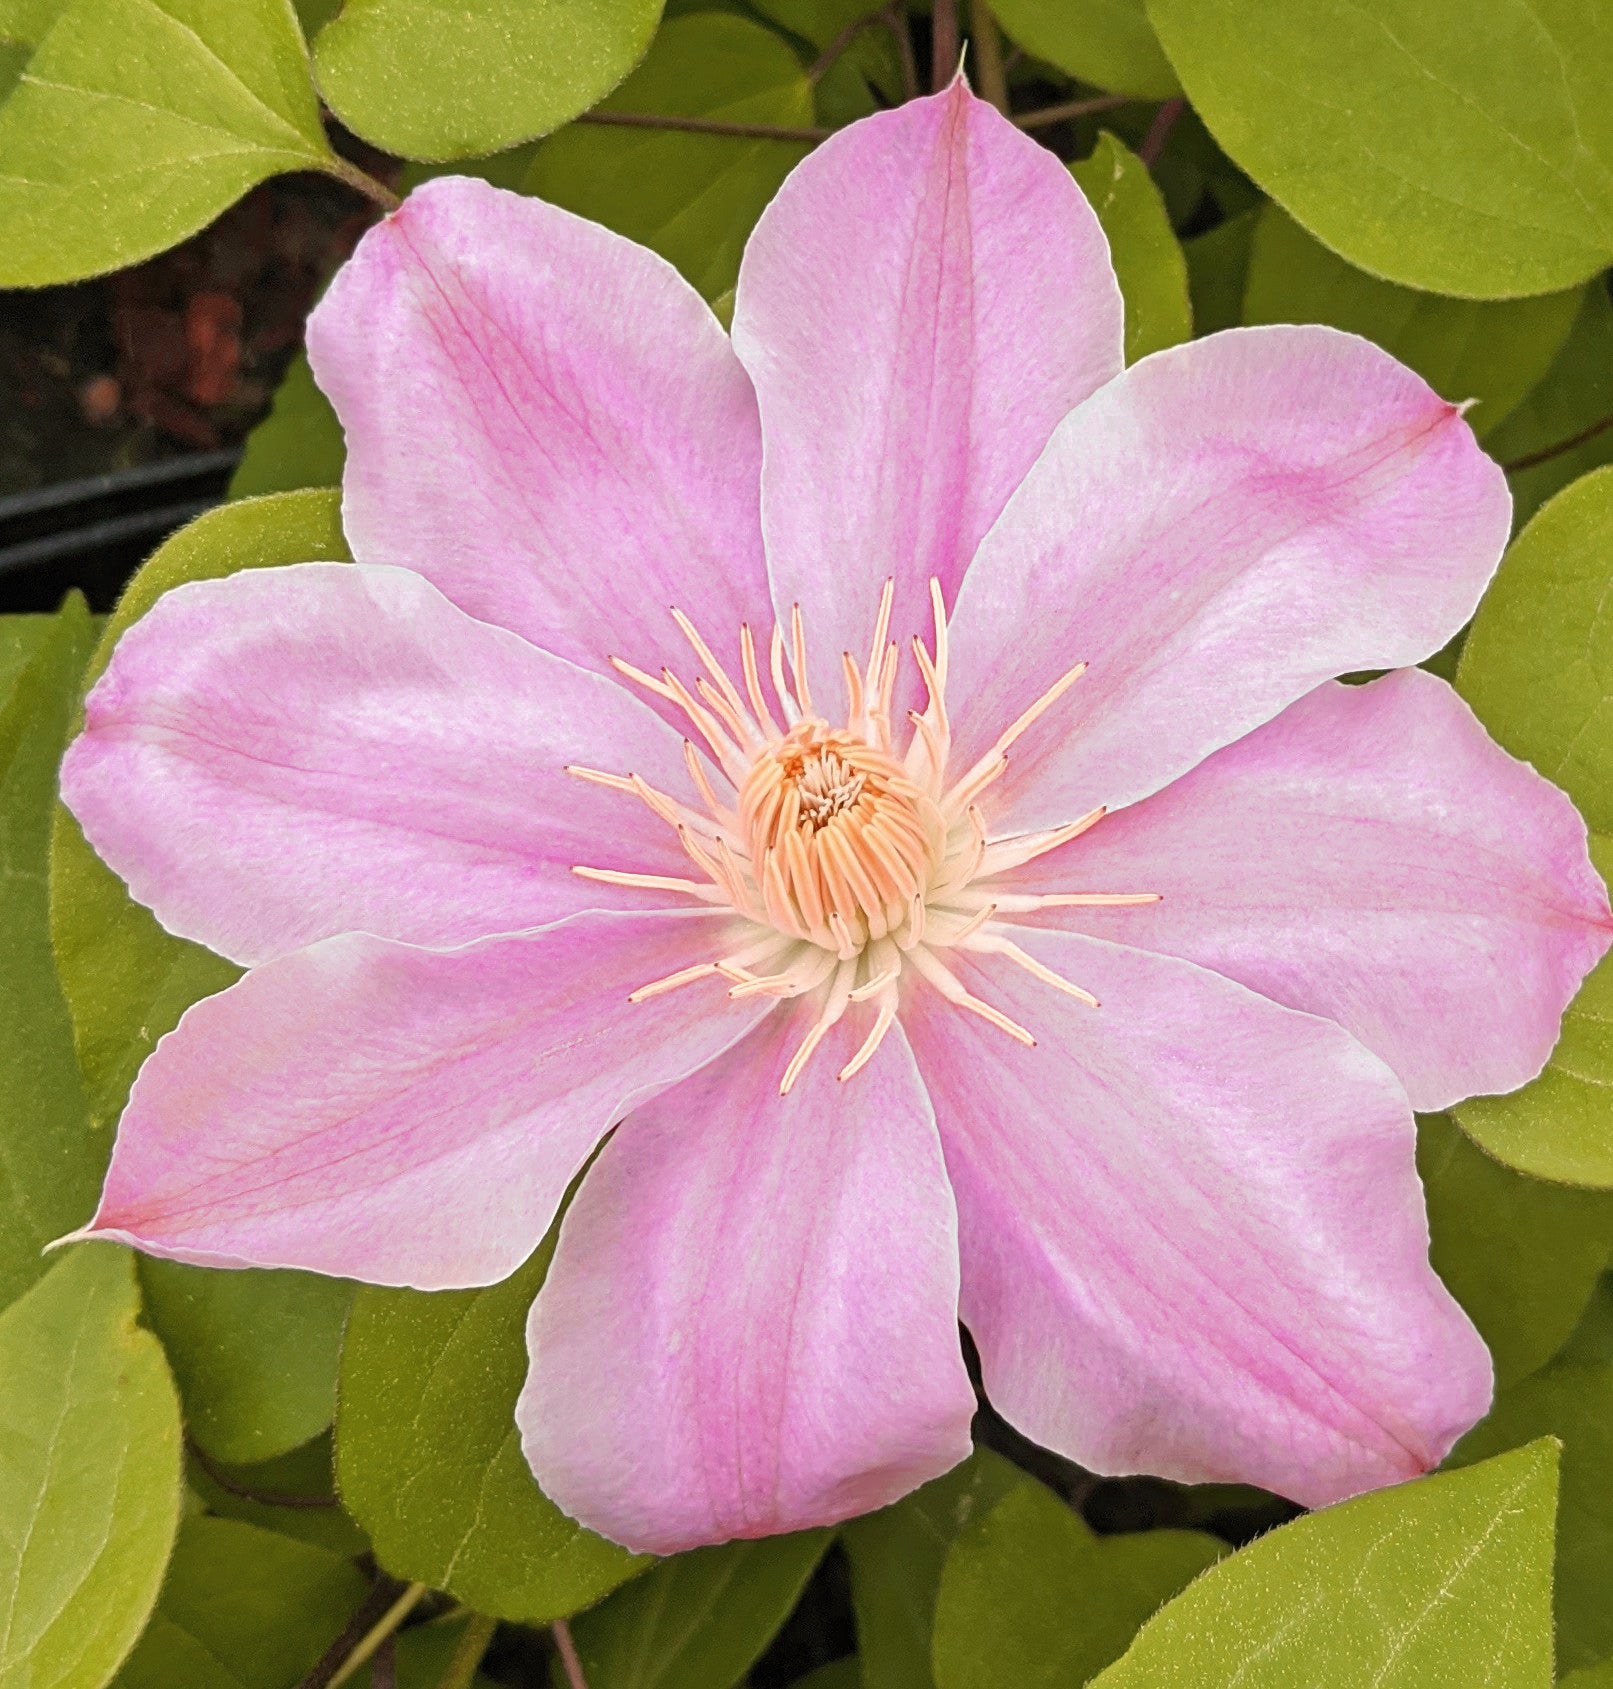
(1462, 146)
(1538, 670)
(1109, 43)
(698, 1620)
(89, 1486)
(254, 1353)
(1143, 247)
(452, 78)
(127, 981)
(136, 122)
(1440, 1584)
(298, 444)
(896, 1558)
(1571, 1400)
(1575, 395)
(692, 198)
(1031, 1596)
(1522, 1256)
(1490, 351)
(50, 1167)
(242, 1608)
(429, 1461)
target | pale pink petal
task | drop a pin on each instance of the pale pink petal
(1227, 525)
(1374, 856)
(1193, 1236)
(926, 297)
(405, 1116)
(750, 1324)
(290, 753)
(548, 422)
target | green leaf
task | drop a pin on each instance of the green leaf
(896, 1558)
(298, 444)
(1440, 1584)
(1109, 43)
(453, 78)
(1520, 1255)
(127, 980)
(692, 198)
(1142, 245)
(1538, 670)
(136, 122)
(1456, 146)
(1589, 1677)
(1217, 266)
(23, 25)
(1032, 1597)
(254, 1353)
(50, 1165)
(305, 1472)
(89, 1485)
(873, 53)
(1571, 1400)
(1576, 393)
(429, 1460)
(1493, 351)
(698, 1620)
(242, 1609)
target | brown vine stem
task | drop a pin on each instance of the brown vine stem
(944, 44)
(378, 1633)
(1159, 131)
(264, 1498)
(361, 182)
(831, 55)
(1547, 453)
(383, 1594)
(896, 21)
(703, 126)
(988, 46)
(1070, 109)
(569, 1658)
(461, 1671)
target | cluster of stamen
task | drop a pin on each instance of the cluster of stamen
(851, 865)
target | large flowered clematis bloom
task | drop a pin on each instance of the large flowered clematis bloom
(888, 766)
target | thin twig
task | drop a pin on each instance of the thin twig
(266, 1498)
(703, 126)
(988, 45)
(362, 182)
(567, 1650)
(461, 1671)
(944, 47)
(895, 16)
(1546, 453)
(1071, 108)
(383, 1593)
(1159, 131)
(830, 56)
(379, 1632)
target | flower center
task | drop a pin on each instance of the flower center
(837, 828)
(849, 865)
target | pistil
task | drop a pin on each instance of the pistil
(846, 863)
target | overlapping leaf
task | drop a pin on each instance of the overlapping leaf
(89, 1482)
(1463, 146)
(429, 1459)
(135, 122)
(1441, 1584)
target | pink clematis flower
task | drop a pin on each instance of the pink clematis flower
(888, 766)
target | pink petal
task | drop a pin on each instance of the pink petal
(290, 753)
(1193, 1236)
(750, 1324)
(405, 1116)
(547, 422)
(1373, 856)
(1217, 532)
(926, 297)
